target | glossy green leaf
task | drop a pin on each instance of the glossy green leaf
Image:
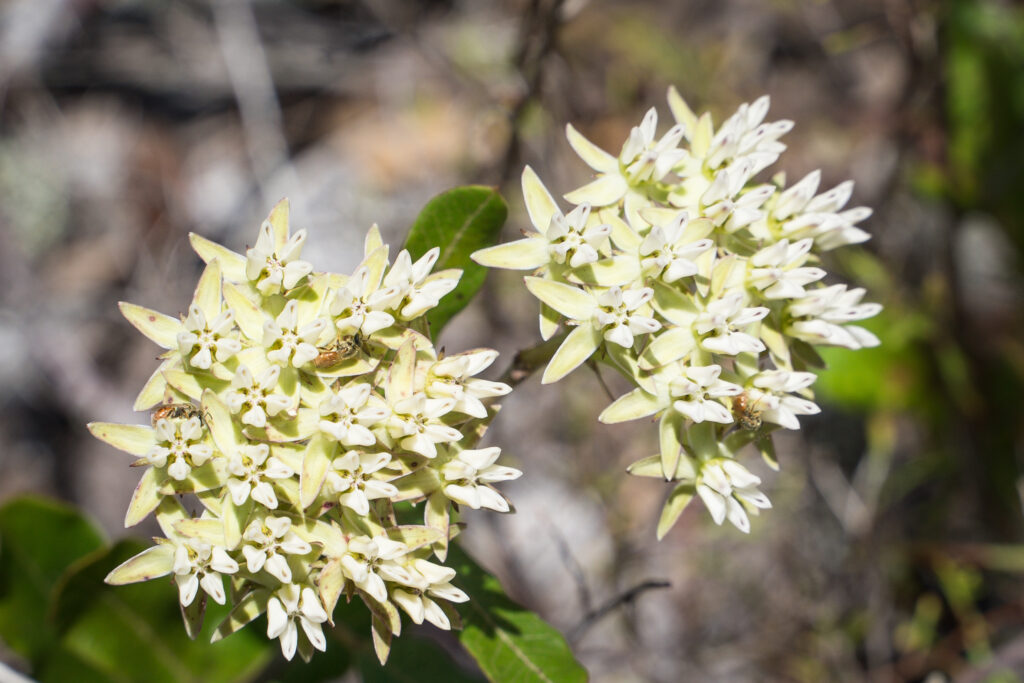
(39, 539)
(459, 221)
(511, 644)
(135, 632)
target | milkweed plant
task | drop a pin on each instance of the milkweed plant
(298, 407)
(699, 284)
(293, 410)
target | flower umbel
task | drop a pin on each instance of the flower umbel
(298, 408)
(707, 294)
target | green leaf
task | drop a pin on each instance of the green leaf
(135, 632)
(677, 501)
(511, 644)
(459, 221)
(38, 540)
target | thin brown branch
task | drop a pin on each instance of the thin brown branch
(628, 597)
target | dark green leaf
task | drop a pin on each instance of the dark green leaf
(511, 644)
(414, 659)
(459, 221)
(135, 633)
(38, 540)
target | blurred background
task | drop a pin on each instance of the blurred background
(895, 546)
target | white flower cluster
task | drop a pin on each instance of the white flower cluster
(298, 407)
(701, 285)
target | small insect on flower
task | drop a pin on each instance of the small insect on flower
(341, 349)
(747, 412)
(176, 411)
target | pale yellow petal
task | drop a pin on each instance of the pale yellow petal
(151, 563)
(207, 295)
(549, 319)
(145, 499)
(667, 347)
(574, 351)
(572, 302)
(677, 501)
(631, 406)
(591, 154)
(700, 137)
(153, 391)
(232, 265)
(209, 531)
(134, 439)
(278, 220)
(605, 191)
(539, 202)
(524, 254)
(315, 463)
(160, 328)
(681, 111)
(668, 438)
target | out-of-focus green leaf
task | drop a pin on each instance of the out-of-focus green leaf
(897, 364)
(39, 539)
(511, 644)
(459, 221)
(135, 632)
(413, 659)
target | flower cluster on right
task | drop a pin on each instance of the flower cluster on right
(701, 284)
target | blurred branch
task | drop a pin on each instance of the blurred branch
(528, 361)
(574, 569)
(596, 615)
(538, 36)
(253, 85)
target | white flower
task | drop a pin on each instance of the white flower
(725, 486)
(771, 399)
(352, 479)
(348, 413)
(371, 561)
(185, 447)
(452, 377)
(273, 267)
(818, 317)
(416, 421)
(776, 270)
(268, 541)
(802, 214)
(291, 605)
(571, 241)
(664, 255)
(642, 160)
(722, 322)
(427, 580)
(200, 564)
(616, 314)
(468, 475)
(743, 136)
(358, 306)
(288, 339)
(256, 398)
(212, 339)
(416, 291)
(251, 466)
(694, 390)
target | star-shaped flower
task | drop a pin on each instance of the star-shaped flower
(267, 541)
(200, 564)
(729, 490)
(469, 474)
(290, 607)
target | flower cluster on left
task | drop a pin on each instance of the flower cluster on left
(294, 408)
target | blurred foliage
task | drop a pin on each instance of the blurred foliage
(56, 612)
